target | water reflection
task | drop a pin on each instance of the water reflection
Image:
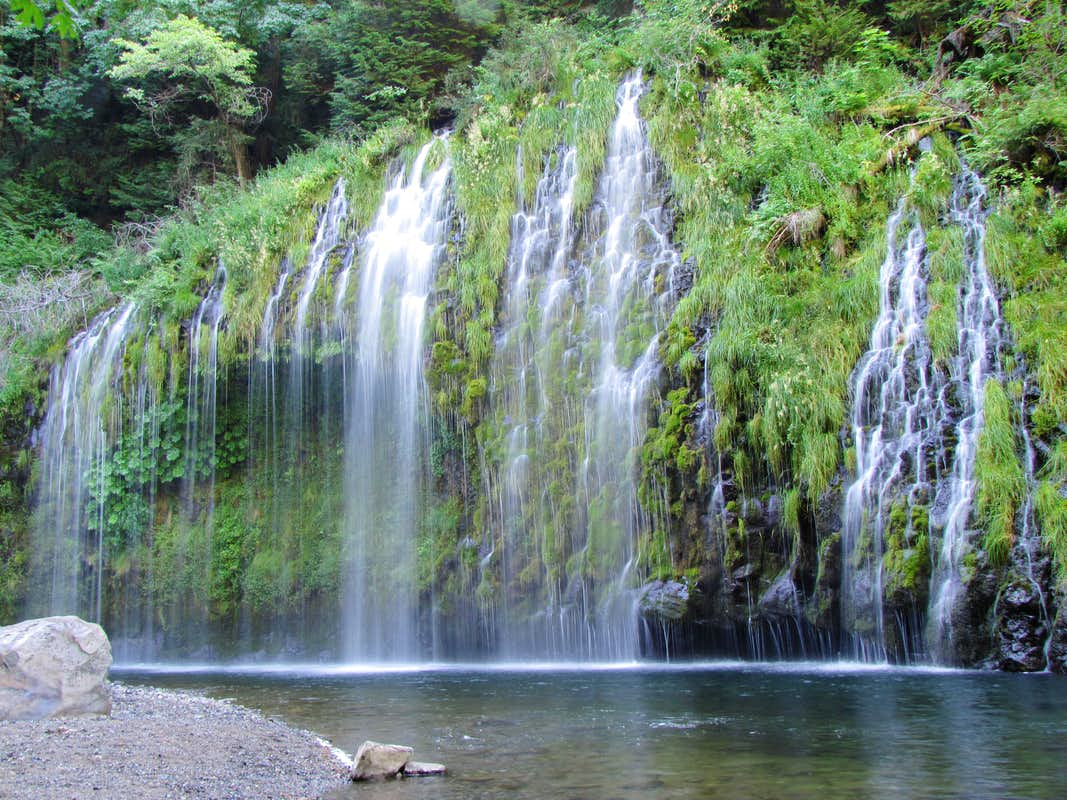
(742, 732)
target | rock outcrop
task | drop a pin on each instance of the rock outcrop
(51, 667)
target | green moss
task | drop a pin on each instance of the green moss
(907, 567)
(475, 392)
(791, 511)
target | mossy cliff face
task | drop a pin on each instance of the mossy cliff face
(777, 190)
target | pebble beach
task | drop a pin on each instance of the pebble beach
(164, 744)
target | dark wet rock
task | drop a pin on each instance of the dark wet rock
(829, 507)
(745, 571)
(970, 640)
(753, 512)
(1020, 628)
(1057, 645)
(772, 511)
(824, 610)
(668, 600)
(781, 599)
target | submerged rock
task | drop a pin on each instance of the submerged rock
(417, 769)
(375, 761)
(51, 667)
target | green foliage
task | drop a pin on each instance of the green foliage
(817, 31)
(944, 252)
(786, 318)
(1036, 286)
(1019, 84)
(1050, 502)
(63, 15)
(1001, 482)
(192, 59)
(907, 557)
(193, 64)
(391, 59)
(678, 35)
(437, 541)
(923, 18)
(666, 445)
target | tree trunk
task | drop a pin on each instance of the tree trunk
(239, 150)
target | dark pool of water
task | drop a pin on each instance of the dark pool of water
(711, 731)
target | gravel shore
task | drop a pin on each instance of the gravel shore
(164, 744)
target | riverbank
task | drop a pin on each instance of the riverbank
(164, 744)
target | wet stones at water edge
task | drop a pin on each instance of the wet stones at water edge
(53, 667)
(375, 761)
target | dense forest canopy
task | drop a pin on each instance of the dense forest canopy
(139, 142)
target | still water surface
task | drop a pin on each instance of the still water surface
(702, 731)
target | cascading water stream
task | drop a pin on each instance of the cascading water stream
(201, 395)
(301, 400)
(1026, 553)
(521, 392)
(572, 384)
(982, 335)
(628, 289)
(894, 393)
(83, 421)
(198, 478)
(294, 410)
(386, 413)
(327, 237)
(268, 381)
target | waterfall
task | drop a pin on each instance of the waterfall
(133, 636)
(1026, 555)
(267, 385)
(573, 380)
(385, 413)
(524, 393)
(200, 402)
(627, 291)
(981, 337)
(707, 425)
(303, 404)
(83, 421)
(894, 393)
(327, 237)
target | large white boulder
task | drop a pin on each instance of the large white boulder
(52, 667)
(375, 761)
